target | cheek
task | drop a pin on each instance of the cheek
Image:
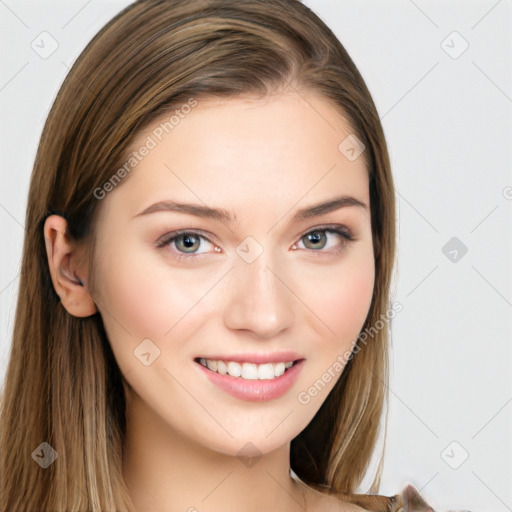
(356, 292)
(147, 298)
(341, 299)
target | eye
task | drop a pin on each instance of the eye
(317, 239)
(186, 242)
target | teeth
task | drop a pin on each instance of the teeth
(234, 369)
(222, 367)
(212, 365)
(249, 371)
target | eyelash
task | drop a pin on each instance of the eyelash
(343, 232)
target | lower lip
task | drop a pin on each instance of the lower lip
(254, 390)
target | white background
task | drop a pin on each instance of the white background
(448, 122)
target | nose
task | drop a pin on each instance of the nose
(258, 299)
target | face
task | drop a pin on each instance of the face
(261, 280)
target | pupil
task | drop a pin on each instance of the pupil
(188, 241)
(314, 238)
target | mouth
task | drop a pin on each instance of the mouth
(249, 381)
(247, 370)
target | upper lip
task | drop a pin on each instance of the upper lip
(256, 358)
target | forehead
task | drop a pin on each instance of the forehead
(260, 150)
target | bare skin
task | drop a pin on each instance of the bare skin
(264, 160)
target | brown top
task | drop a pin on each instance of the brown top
(409, 500)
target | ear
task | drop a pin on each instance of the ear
(68, 274)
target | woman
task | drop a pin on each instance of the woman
(210, 237)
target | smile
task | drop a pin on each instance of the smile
(249, 371)
(252, 388)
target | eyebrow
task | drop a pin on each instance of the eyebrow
(224, 215)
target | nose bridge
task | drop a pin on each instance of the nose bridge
(258, 300)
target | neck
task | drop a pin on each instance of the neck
(165, 471)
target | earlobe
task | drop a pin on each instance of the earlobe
(64, 265)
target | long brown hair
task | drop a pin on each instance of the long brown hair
(63, 385)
